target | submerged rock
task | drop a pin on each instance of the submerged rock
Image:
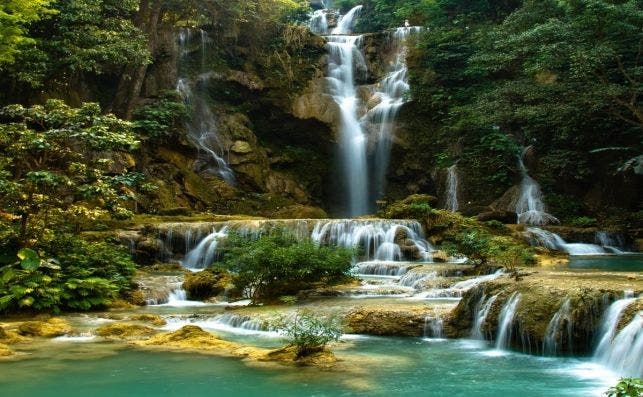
(124, 331)
(46, 329)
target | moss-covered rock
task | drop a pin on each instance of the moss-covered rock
(323, 358)
(125, 331)
(205, 284)
(10, 337)
(386, 321)
(149, 318)
(47, 329)
(5, 351)
(416, 206)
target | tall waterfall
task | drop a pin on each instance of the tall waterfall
(530, 207)
(452, 189)
(392, 93)
(202, 126)
(345, 57)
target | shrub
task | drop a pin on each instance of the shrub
(626, 387)
(278, 265)
(310, 332)
(583, 221)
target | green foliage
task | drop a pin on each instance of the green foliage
(277, 265)
(56, 169)
(309, 331)
(162, 118)
(626, 387)
(417, 206)
(15, 17)
(84, 276)
(583, 221)
(82, 36)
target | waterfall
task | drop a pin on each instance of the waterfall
(613, 242)
(205, 252)
(530, 207)
(505, 321)
(621, 351)
(346, 22)
(434, 327)
(344, 56)
(553, 340)
(482, 311)
(391, 93)
(452, 189)
(379, 239)
(458, 289)
(547, 239)
(202, 126)
(319, 22)
(382, 269)
(417, 280)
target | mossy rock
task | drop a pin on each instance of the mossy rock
(46, 329)
(290, 354)
(416, 206)
(149, 318)
(205, 284)
(11, 337)
(124, 331)
(5, 351)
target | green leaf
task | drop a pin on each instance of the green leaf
(29, 259)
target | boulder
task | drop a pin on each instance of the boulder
(124, 331)
(390, 322)
(440, 256)
(46, 329)
(241, 147)
(5, 351)
(11, 337)
(205, 284)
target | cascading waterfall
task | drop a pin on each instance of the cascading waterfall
(530, 207)
(505, 321)
(482, 311)
(621, 351)
(391, 94)
(344, 58)
(417, 280)
(458, 289)
(382, 269)
(434, 327)
(452, 189)
(346, 22)
(613, 242)
(319, 22)
(202, 126)
(205, 252)
(554, 334)
(547, 239)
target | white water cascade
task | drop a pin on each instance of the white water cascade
(621, 350)
(392, 93)
(205, 252)
(318, 23)
(505, 321)
(547, 239)
(451, 202)
(202, 126)
(555, 332)
(482, 311)
(530, 207)
(346, 22)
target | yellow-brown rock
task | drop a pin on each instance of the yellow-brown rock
(124, 331)
(11, 337)
(46, 329)
(149, 318)
(5, 351)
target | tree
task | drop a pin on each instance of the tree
(55, 168)
(15, 17)
(309, 332)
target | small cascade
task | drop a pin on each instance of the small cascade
(318, 23)
(241, 321)
(560, 325)
(382, 269)
(505, 321)
(458, 289)
(621, 351)
(392, 93)
(612, 242)
(179, 298)
(434, 327)
(530, 207)
(417, 280)
(547, 239)
(482, 311)
(382, 240)
(346, 22)
(202, 126)
(451, 202)
(205, 253)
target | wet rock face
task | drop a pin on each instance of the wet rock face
(392, 322)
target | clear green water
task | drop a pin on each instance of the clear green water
(371, 367)
(617, 263)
